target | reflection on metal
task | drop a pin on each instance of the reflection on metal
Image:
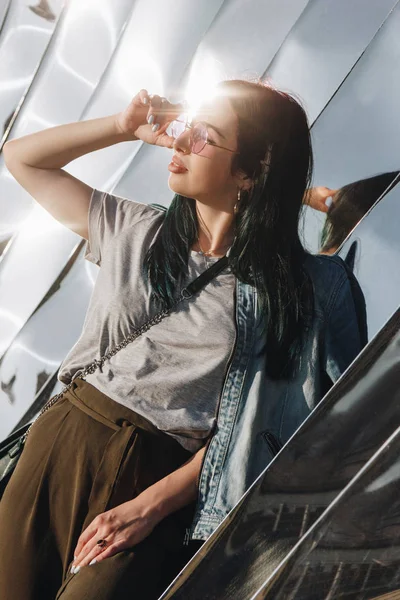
(331, 446)
(353, 550)
(28, 366)
(42, 241)
(49, 388)
(377, 259)
(323, 47)
(62, 87)
(29, 242)
(22, 29)
(6, 388)
(4, 7)
(43, 10)
(350, 204)
(350, 142)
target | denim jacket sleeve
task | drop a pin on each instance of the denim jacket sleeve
(346, 327)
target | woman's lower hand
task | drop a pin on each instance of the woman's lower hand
(121, 527)
(147, 118)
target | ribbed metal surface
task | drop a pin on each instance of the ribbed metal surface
(87, 59)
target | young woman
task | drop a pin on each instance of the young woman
(161, 441)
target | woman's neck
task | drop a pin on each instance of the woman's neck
(215, 229)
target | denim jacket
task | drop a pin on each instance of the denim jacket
(256, 415)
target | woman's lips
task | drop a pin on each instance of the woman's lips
(176, 169)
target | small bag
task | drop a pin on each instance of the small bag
(11, 448)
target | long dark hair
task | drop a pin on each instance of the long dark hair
(266, 252)
(350, 203)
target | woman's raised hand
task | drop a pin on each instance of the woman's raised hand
(147, 118)
(319, 198)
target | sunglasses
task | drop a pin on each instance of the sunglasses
(198, 134)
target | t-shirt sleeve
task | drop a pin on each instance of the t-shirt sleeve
(108, 216)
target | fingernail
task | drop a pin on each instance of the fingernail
(155, 127)
(328, 201)
(72, 569)
(145, 101)
(93, 562)
(77, 569)
(150, 120)
(75, 557)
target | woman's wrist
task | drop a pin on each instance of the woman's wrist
(152, 507)
(171, 493)
(161, 499)
(125, 135)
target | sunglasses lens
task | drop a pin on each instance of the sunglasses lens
(199, 137)
(178, 127)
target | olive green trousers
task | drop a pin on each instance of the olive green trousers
(85, 455)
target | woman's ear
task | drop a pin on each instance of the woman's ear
(244, 181)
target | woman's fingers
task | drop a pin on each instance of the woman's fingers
(154, 113)
(84, 538)
(121, 527)
(95, 554)
(144, 97)
(319, 198)
(162, 112)
(88, 549)
(103, 527)
(148, 116)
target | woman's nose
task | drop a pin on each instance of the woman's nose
(182, 143)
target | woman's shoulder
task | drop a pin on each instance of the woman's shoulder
(115, 205)
(326, 268)
(112, 219)
(331, 278)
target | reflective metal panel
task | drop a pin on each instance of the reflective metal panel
(36, 353)
(358, 134)
(82, 44)
(353, 550)
(81, 47)
(25, 33)
(374, 249)
(336, 440)
(4, 7)
(323, 47)
(23, 280)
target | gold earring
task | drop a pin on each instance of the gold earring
(235, 208)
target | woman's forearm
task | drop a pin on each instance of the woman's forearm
(55, 147)
(174, 491)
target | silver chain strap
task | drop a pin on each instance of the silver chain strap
(99, 362)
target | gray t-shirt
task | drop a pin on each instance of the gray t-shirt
(173, 373)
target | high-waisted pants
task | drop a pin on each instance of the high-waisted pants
(85, 455)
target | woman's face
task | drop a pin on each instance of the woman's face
(208, 177)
